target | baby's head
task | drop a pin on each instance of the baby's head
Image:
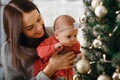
(64, 30)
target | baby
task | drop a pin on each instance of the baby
(65, 38)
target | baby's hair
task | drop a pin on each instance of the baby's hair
(62, 21)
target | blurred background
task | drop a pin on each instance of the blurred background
(50, 9)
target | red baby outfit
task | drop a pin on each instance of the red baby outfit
(46, 49)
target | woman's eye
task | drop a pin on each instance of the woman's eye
(29, 28)
(38, 19)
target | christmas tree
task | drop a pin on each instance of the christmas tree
(100, 40)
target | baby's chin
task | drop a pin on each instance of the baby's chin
(69, 45)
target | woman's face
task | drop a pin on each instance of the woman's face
(33, 24)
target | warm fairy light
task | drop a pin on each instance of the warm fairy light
(117, 12)
(110, 34)
(90, 47)
(89, 71)
(104, 57)
(98, 37)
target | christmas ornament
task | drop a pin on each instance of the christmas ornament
(116, 75)
(118, 18)
(89, 12)
(117, 12)
(103, 77)
(76, 77)
(105, 60)
(97, 43)
(83, 18)
(104, 57)
(83, 65)
(100, 11)
(95, 3)
(91, 18)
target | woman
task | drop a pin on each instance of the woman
(24, 28)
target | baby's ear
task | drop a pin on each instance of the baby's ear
(56, 34)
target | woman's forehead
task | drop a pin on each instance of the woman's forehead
(30, 18)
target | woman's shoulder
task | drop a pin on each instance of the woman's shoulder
(4, 44)
(4, 47)
(5, 51)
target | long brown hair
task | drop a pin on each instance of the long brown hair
(12, 21)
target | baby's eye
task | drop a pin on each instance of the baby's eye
(75, 36)
(68, 36)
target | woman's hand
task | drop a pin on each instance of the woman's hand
(58, 62)
(62, 61)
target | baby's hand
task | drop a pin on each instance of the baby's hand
(80, 54)
(58, 45)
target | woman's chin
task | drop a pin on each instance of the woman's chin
(38, 35)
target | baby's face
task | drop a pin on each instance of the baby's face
(67, 37)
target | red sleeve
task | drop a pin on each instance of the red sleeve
(46, 48)
(76, 47)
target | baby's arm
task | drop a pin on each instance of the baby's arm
(45, 51)
(58, 45)
(46, 48)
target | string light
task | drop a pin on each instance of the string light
(110, 34)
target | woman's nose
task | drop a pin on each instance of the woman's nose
(38, 27)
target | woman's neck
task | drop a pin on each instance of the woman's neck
(29, 42)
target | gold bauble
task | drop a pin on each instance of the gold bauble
(76, 77)
(100, 11)
(83, 65)
(95, 3)
(97, 43)
(103, 77)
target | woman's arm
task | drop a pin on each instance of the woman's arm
(41, 76)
